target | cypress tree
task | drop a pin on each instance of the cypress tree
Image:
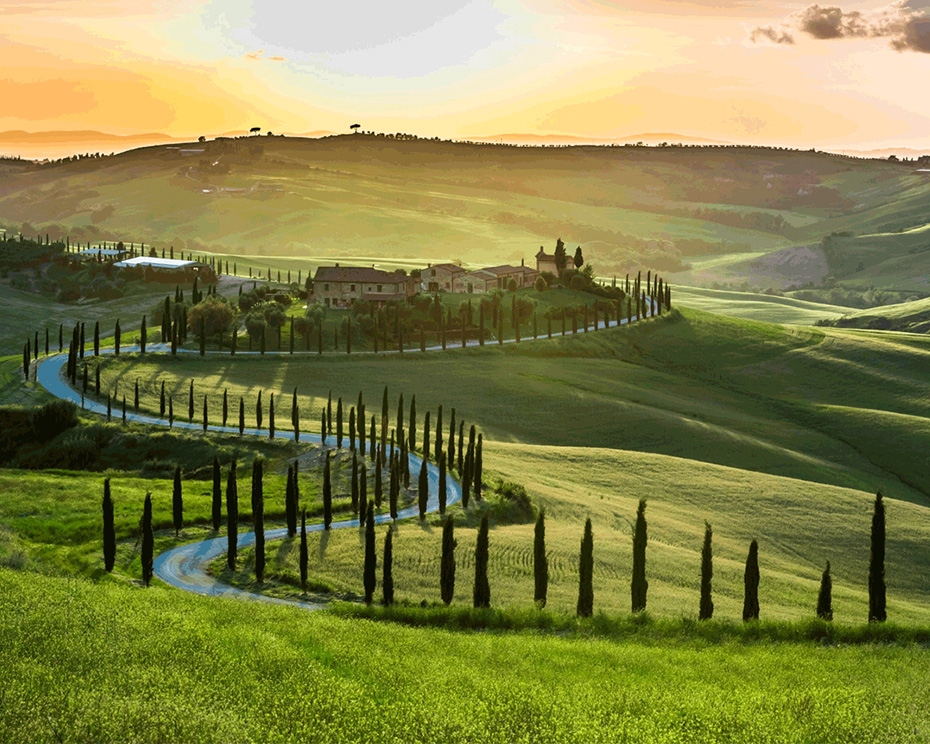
(400, 419)
(586, 573)
(352, 429)
(81, 343)
(461, 440)
(481, 595)
(450, 458)
(161, 399)
(751, 584)
(327, 496)
(241, 415)
(371, 446)
(877, 612)
(438, 446)
(190, 403)
(258, 411)
(387, 578)
(170, 412)
(323, 425)
(478, 468)
(97, 338)
(109, 405)
(258, 518)
(362, 495)
(290, 504)
(271, 417)
(339, 423)
(825, 597)
(143, 335)
(384, 421)
(371, 560)
(707, 574)
(109, 533)
(467, 472)
(639, 586)
(177, 503)
(329, 412)
(540, 562)
(423, 489)
(174, 339)
(413, 424)
(124, 409)
(135, 394)
(206, 423)
(216, 512)
(116, 338)
(61, 337)
(303, 551)
(426, 436)
(232, 517)
(360, 414)
(442, 482)
(225, 406)
(447, 564)
(147, 555)
(394, 490)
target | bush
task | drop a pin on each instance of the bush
(540, 284)
(578, 283)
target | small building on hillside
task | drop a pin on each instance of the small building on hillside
(103, 254)
(168, 270)
(440, 278)
(340, 286)
(546, 262)
(495, 277)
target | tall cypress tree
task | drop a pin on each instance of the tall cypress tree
(387, 576)
(271, 417)
(400, 420)
(413, 424)
(362, 495)
(447, 564)
(241, 415)
(216, 511)
(295, 414)
(423, 489)
(97, 338)
(206, 422)
(639, 586)
(339, 423)
(379, 480)
(232, 517)
(371, 560)
(352, 429)
(442, 482)
(426, 436)
(143, 335)
(394, 490)
(147, 555)
(327, 496)
(177, 503)
(450, 458)
(707, 574)
(258, 518)
(225, 406)
(109, 533)
(481, 594)
(877, 612)
(258, 411)
(540, 562)
(323, 425)
(117, 334)
(290, 504)
(190, 403)
(586, 573)
(825, 597)
(303, 551)
(438, 447)
(751, 584)
(478, 468)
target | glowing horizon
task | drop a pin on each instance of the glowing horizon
(784, 73)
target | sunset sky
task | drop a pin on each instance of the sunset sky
(779, 73)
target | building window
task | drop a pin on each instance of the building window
(353, 287)
(379, 287)
(326, 288)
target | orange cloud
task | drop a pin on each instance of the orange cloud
(255, 55)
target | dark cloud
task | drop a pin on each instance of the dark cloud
(775, 35)
(905, 24)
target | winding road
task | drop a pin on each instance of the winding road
(185, 567)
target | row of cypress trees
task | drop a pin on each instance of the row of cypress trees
(481, 595)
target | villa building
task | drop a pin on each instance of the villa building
(340, 286)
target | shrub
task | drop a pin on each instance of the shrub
(578, 283)
(540, 284)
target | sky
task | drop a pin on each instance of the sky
(781, 73)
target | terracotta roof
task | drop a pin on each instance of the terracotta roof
(505, 269)
(360, 274)
(448, 267)
(543, 254)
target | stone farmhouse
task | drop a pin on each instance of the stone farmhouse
(440, 278)
(494, 277)
(546, 262)
(340, 286)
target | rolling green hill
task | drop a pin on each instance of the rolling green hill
(913, 317)
(367, 197)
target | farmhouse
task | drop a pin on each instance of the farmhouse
(441, 277)
(166, 269)
(494, 277)
(340, 286)
(546, 262)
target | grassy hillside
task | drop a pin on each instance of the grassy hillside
(365, 197)
(266, 673)
(757, 306)
(906, 316)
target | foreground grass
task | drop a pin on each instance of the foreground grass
(236, 671)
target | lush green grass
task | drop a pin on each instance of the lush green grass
(755, 306)
(228, 670)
